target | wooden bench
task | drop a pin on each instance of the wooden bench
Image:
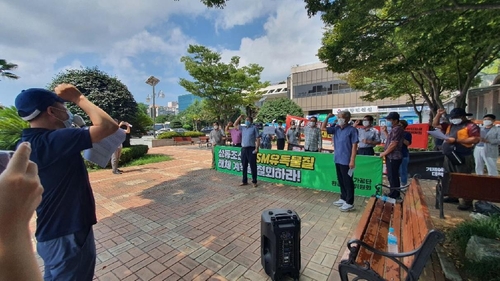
(467, 186)
(204, 141)
(367, 256)
(183, 140)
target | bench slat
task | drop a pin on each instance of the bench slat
(363, 223)
(378, 261)
(371, 232)
(392, 270)
(407, 231)
(466, 186)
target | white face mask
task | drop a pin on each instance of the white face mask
(312, 124)
(366, 123)
(487, 122)
(456, 121)
(341, 121)
(216, 127)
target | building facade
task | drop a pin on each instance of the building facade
(484, 100)
(273, 92)
(319, 91)
(184, 101)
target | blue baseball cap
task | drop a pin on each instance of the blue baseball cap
(31, 102)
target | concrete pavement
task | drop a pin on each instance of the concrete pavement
(179, 220)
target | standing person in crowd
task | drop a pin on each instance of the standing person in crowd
(486, 151)
(443, 123)
(345, 139)
(115, 158)
(403, 169)
(312, 134)
(393, 152)
(292, 136)
(235, 132)
(67, 212)
(265, 140)
(462, 134)
(369, 137)
(20, 194)
(280, 136)
(216, 137)
(250, 142)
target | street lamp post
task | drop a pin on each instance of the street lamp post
(153, 81)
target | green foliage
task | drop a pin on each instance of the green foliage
(164, 118)
(460, 235)
(278, 109)
(128, 154)
(493, 68)
(148, 159)
(175, 125)
(188, 127)
(6, 68)
(11, 127)
(400, 41)
(169, 135)
(487, 228)
(107, 92)
(223, 86)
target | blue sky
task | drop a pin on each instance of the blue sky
(133, 40)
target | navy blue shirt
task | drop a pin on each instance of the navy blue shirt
(404, 149)
(343, 140)
(67, 203)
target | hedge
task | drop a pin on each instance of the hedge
(128, 154)
(169, 135)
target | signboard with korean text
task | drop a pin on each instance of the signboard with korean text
(304, 169)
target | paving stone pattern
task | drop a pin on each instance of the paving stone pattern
(179, 220)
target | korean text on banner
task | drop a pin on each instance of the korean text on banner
(304, 169)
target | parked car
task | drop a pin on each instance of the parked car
(179, 130)
(206, 130)
(163, 130)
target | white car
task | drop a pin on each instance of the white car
(163, 131)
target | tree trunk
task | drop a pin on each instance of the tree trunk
(460, 100)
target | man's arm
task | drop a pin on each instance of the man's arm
(377, 140)
(354, 150)
(435, 121)
(320, 141)
(407, 139)
(127, 131)
(394, 143)
(236, 124)
(257, 140)
(102, 124)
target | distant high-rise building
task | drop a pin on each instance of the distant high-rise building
(186, 100)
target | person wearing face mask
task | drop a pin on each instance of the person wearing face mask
(250, 142)
(66, 214)
(462, 136)
(486, 151)
(235, 132)
(345, 140)
(312, 134)
(292, 136)
(393, 152)
(369, 137)
(216, 137)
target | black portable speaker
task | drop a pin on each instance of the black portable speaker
(280, 243)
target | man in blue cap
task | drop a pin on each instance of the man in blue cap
(65, 217)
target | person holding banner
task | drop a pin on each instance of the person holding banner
(312, 134)
(345, 140)
(369, 137)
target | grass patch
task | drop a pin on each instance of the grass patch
(148, 159)
(460, 235)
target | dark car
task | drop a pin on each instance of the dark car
(206, 130)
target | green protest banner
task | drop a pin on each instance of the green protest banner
(305, 169)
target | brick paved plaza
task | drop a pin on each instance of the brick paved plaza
(179, 220)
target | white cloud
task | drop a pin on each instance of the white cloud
(241, 12)
(290, 38)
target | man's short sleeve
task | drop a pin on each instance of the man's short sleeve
(331, 130)
(408, 137)
(354, 136)
(69, 141)
(256, 132)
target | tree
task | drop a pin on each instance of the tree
(223, 86)
(6, 68)
(440, 52)
(143, 117)
(107, 92)
(164, 118)
(11, 127)
(278, 109)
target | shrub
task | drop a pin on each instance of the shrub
(187, 127)
(11, 127)
(168, 135)
(193, 134)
